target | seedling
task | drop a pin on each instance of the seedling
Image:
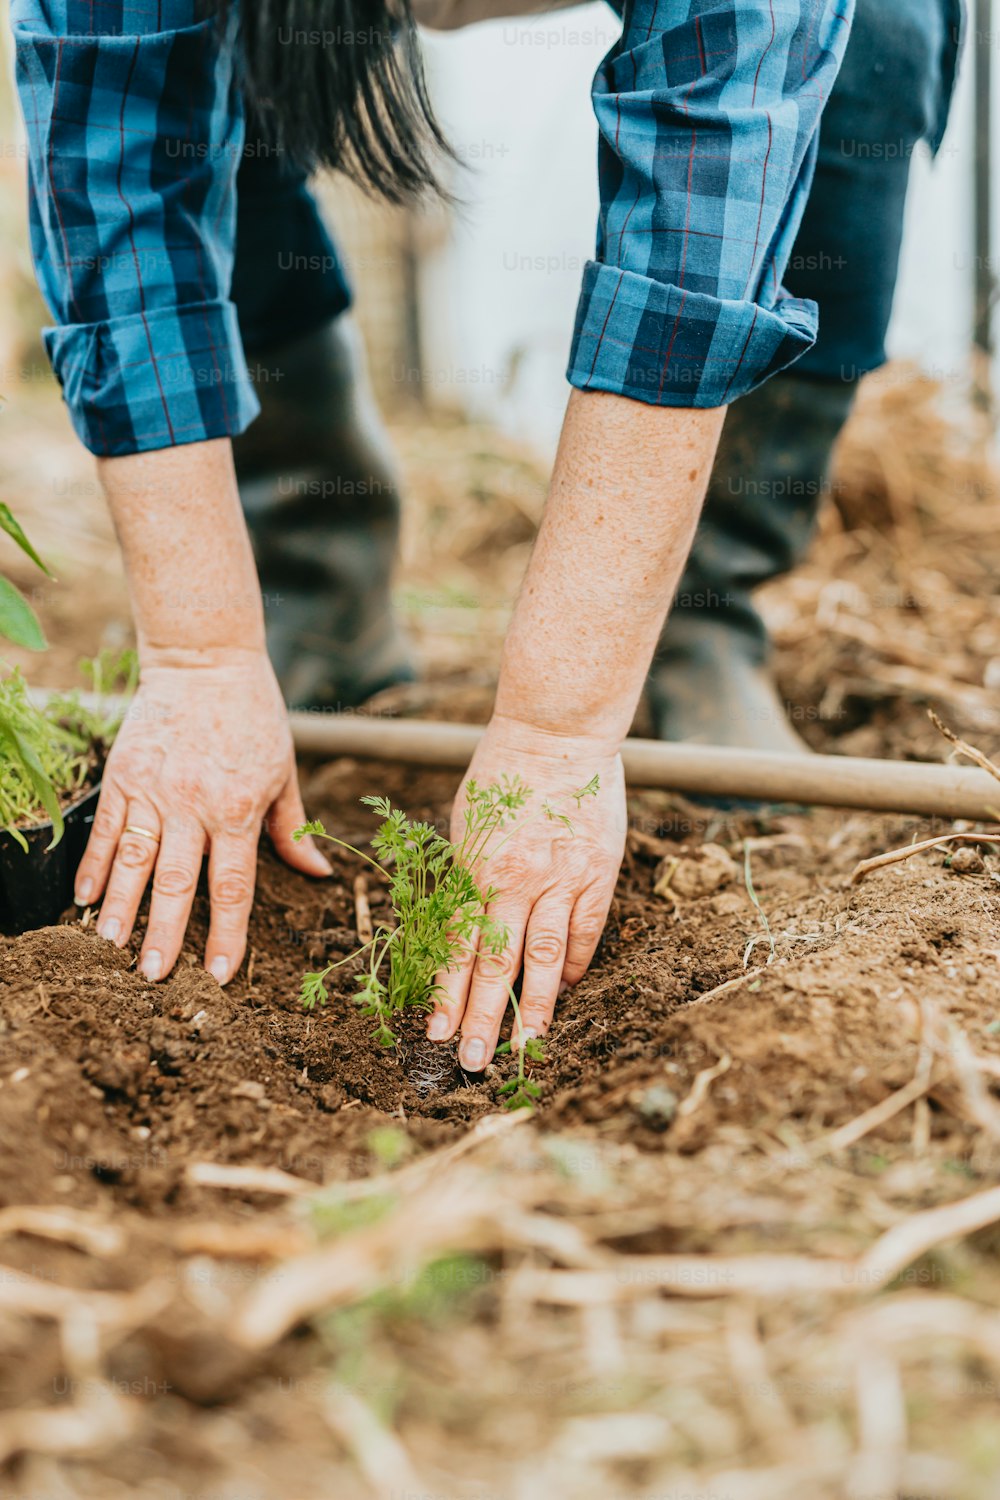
(440, 910)
(45, 751)
(522, 1091)
(41, 761)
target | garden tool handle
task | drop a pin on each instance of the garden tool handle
(928, 788)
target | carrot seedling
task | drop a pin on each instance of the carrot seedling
(440, 910)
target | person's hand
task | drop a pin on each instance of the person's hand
(553, 887)
(203, 758)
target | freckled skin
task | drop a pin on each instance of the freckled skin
(579, 645)
(592, 607)
(206, 755)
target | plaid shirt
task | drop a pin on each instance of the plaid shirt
(708, 113)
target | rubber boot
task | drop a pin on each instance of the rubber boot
(710, 682)
(320, 493)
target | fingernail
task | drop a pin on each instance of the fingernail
(152, 964)
(437, 1030)
(84, 891)
(564, 986)
(110, 929)
(322, 859)
(472, 1055)
(520, 1037)
(219, 969)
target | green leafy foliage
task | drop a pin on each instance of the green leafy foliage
(18, 621)
(41, 760)
(45, 751)
(440, 911)
(521, 1091)
(10, 524)
(112, 677)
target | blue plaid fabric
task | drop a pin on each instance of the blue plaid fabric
(708, 113)
(135, 132)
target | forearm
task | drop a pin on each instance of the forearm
(626, 491)
(187, 554)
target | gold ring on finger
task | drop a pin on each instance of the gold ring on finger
(142, 832)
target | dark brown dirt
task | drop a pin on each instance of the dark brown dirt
(111, 1086)
(129, 1081)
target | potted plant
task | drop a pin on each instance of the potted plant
(51, 757)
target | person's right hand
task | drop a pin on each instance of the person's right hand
(203, 759)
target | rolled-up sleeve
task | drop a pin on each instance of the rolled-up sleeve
(135, 131)
(708, 113)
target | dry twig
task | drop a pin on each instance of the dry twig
(376, 1450)
(247, 1179)
(894, 856)
(871, 1119)
(963, 747)
(362, 910)
(69, 1226)
(702, 1083)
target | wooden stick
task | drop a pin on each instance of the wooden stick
(928, 789)
(896, 856)
(362, 909)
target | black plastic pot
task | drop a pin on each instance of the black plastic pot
(37, 887)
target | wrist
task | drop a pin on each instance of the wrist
(190, 566)
(540, 741)
(562, 703)
(171, 657)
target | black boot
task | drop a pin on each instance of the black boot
(321, 497)
(709, 681)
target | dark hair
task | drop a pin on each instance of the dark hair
(341, 83)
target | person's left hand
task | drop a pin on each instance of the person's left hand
(553, 887)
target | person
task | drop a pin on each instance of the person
(170, 244)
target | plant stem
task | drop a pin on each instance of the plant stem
(332, 838)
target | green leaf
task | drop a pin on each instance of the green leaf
(25, 756)
(18, 621)
(590, 790)
(12, 527)
(315, 828)
(313, 991)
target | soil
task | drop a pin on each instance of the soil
(127, 1082)
(686, 1083)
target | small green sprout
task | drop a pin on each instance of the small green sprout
(440, 911)
(521, 1091)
